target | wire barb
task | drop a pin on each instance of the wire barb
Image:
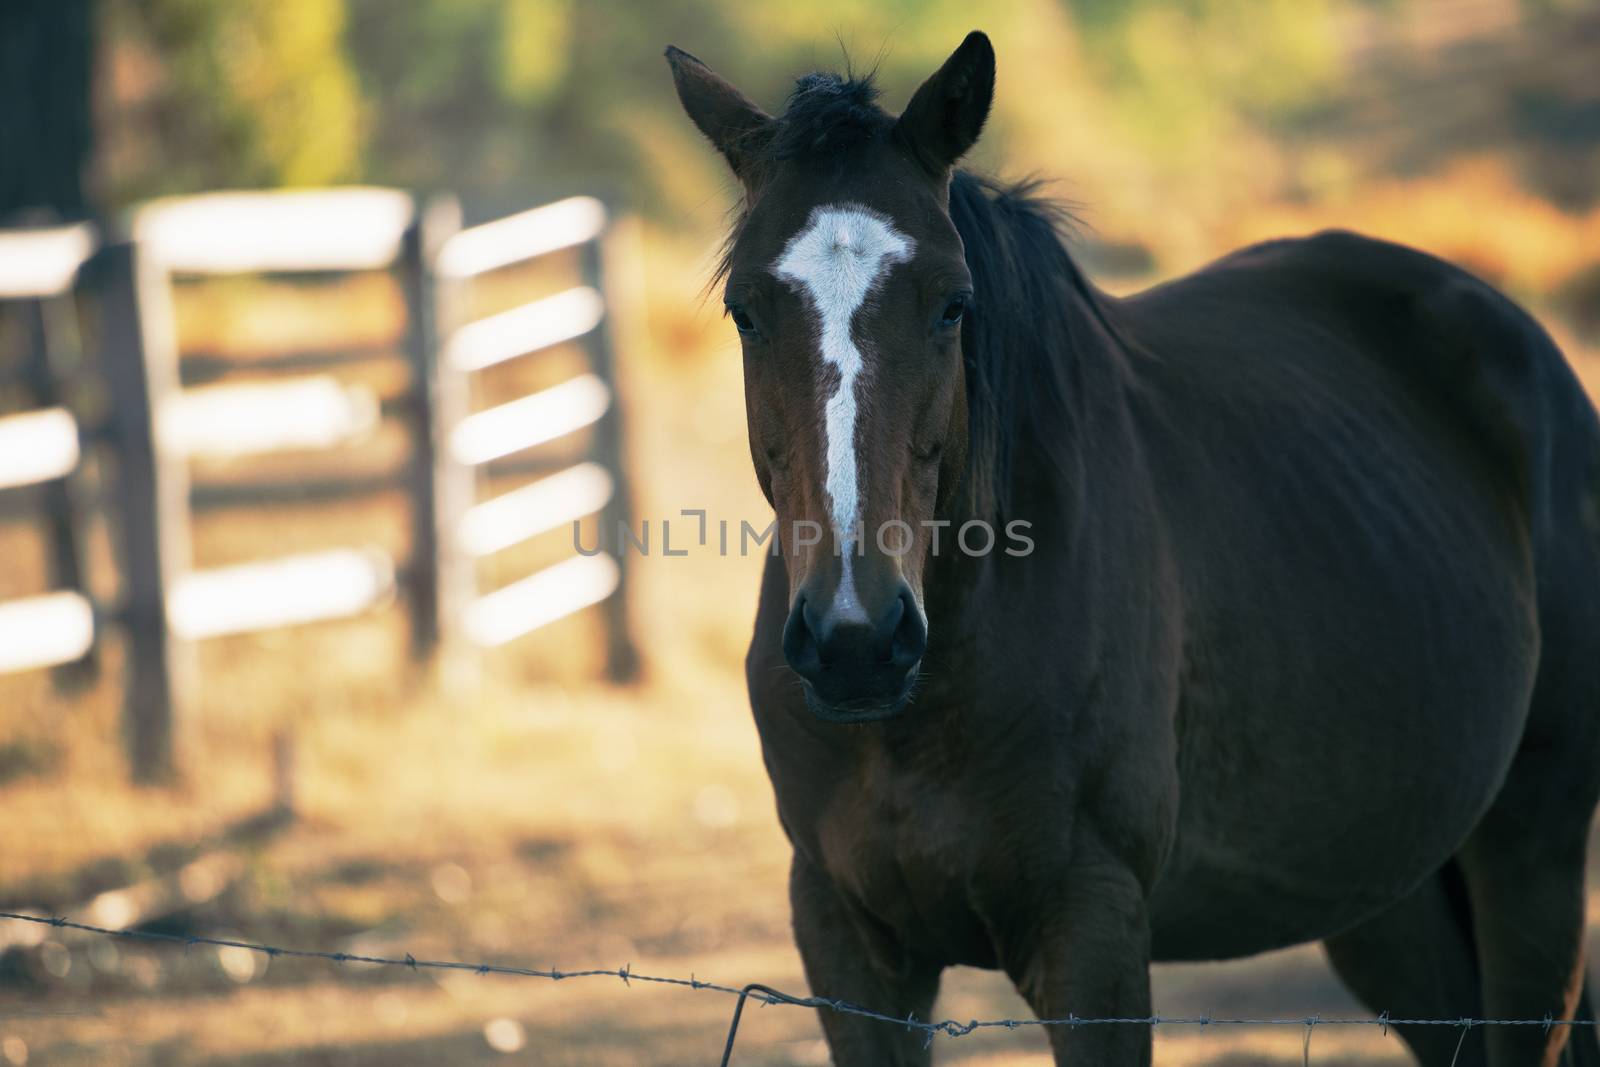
(1466, 1028)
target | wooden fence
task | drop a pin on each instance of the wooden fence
(474, 528)
(155, 426)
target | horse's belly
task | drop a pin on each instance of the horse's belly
(1297, 862)
(1249, 882)
(1214, 911)
(1318, 800)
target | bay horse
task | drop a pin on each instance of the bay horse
(1304, 645)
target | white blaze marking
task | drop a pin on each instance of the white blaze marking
(837, 259)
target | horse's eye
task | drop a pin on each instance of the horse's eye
(953, 311)
(741, 320)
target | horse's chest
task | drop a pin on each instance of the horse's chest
(905, 852)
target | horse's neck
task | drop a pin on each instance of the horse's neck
(1055, 460)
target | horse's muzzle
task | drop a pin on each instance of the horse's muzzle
(856, 671)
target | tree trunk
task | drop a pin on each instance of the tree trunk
(46, 51)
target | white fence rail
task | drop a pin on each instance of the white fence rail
(228, 421)
(247, 232)
(45, 631)
(538, 507)
(37, 446)
(526, 235)
(288, 591)
(43, 262)
(529, 328)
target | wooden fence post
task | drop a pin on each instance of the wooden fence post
(622, 655)
(53, 350)
(440, 488)
(139, 351)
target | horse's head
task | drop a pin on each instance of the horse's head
(847, 282)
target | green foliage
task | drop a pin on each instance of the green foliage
(235, 94)
(1185, 69)
(513, 100)
(534, 38)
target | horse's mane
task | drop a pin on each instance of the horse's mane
(1028, 294)
(1029, 311)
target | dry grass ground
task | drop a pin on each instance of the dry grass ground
(533, 817)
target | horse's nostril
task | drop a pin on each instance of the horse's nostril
(884, 639)
(910, 638)
(822, 633)
(799, 641)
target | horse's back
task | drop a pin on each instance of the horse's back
(1378, 482)
(1454, 341)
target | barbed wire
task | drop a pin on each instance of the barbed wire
(767, 995)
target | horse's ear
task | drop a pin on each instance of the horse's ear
(735, 125)
(947, 113)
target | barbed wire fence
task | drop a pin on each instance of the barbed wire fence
(767, 995)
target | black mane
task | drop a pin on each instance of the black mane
(1031, 305)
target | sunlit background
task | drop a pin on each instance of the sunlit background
(519, 788)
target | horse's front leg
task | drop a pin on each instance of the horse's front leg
(845, 960)
(1084, 950)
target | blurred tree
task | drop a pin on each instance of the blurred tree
(211, 95)
(1200, 104)
(507, 100)
(45, 128)
(1190, 68)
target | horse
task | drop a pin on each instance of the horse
(1294, 638)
